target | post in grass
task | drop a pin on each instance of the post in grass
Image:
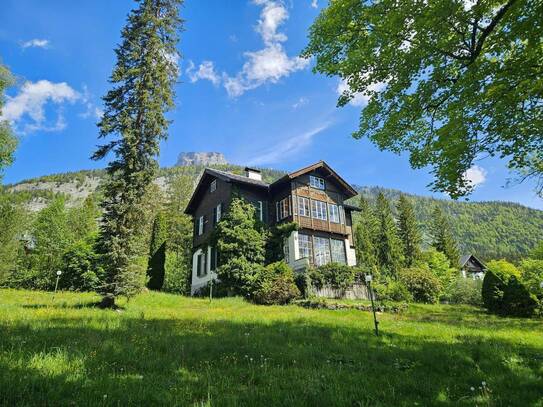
(369, 279)
(56, 284)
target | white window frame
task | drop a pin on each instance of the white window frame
(260, 209)
(338, 250)
(319, 210)
(335, 215)
(213, 186)
(317, 183)
(304, 207)
(283, 208)
(218, 213)
(305, 247)
(326, 256)
(201, 225)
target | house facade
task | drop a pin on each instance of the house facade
(313, 197)
(472, 267)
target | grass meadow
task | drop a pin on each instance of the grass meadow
(169, 350)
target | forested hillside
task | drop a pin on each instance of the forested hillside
(487, 229)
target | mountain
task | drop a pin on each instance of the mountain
(486, 229)
(201, 158)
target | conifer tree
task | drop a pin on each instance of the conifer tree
(157, 253)
(387, 243)
(134, 117)
(442, 237)
(365, 235)
(408, 231)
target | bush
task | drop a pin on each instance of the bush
(497, 276)
(392, 290)
(339, 276)
(517, 300)
(303, 282)
(274, 284)
(177, 274)
(81, 268)
(421, 283)
(465, 291)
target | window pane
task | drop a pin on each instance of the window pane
(316, 182)
(338, 251)
(334, 213)
(303, 206)
(322, 251)
(305, 247)
(318, 210)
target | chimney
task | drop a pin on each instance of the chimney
(253, 173)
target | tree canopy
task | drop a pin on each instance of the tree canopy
(8, 142)
(447, 81)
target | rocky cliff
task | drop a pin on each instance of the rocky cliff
(201, 158)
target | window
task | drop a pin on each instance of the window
(213, 186)
(316, 182)
(334, 213)
(305, 249)
(217, 213)
(318, 210)
(283, 208)
(201, 224)
(322, 250)
(338, 251)
(201, 266)
(259, 210)
(303, 206)
(213, 258)
(286, 251)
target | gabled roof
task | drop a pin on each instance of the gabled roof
(464, 259)
(225, 176)
(350, 191)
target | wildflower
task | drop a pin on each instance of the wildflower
(472, 388)
(483, 383)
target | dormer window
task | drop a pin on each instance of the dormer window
(316, 182)
(213, 186)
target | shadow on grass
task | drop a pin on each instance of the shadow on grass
(64, 305)
(138, 361)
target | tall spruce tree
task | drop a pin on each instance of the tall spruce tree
(408, 231)
(442, 237)
(157, 253)
(387, 243)
(365, 236)
(134, 116)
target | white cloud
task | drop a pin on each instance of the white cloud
(267, 65)
(35, 43)
(205, 71)
(359, 98)
(475, 175)
(287, 147)
(29, 105)
(302, 101)
(314, 4)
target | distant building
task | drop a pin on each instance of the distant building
(472, 267)
(313, 197)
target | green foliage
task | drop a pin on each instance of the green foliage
(157, 254)
(143, 80)
(492, 291)
(365, 232)
(241, 246)
(391, 290)
(423, 285)
(81, 269)
(532, 276)
(439, 265)
(177, 274)
(517, 300)
(12, 224)
(537, 252)
(8, 142)
(408, 231)
(335, 275)
(443, 79)
(464, 291)
(276, 239)
(274, 284)
(387, 244)
(442, 237)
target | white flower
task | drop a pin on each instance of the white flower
(472, 388)
(483, 383)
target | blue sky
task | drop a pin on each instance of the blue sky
(243, 92)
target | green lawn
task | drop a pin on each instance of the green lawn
(170, 350)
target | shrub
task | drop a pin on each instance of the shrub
(517, 300)
(81, 268)
(532, 276)
(303, 282)
(465, 291)
(439, 265)
(178, 273)
(392, 290)
(423, 285)
(497, 276)
(274, 284)
(339, 276)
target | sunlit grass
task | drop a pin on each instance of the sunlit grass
(170, 350)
